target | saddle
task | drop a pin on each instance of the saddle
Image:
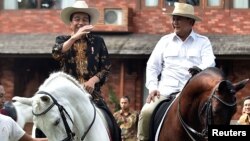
(158, 115)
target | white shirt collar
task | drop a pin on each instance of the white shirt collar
(190, 36)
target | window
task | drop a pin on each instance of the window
(213, 3)
(37, 4)
(66, 3)
(170, 2)
(192, 2)
(151, 3)
(33, 4)
(10, 4)
(241, 4)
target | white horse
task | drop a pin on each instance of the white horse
(21, 111)
(63, 110)
(24, 112)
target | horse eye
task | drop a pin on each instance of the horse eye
(57, 122)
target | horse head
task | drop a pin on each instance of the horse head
(47, 117)
(223, 101)
(63, 110)
(215, 98)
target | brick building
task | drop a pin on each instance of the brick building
(131, 28)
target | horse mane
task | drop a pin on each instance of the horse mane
(55, 75)
(215, 71)
(204, 81)
(209, 77)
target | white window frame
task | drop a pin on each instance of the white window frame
(240, 4)
(151, 3)
(10, 4)
(13, 4)
(213, 3)
(67, 3)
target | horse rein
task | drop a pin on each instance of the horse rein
(204, 133)
(70, 134)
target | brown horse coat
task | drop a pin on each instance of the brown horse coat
(207, 99)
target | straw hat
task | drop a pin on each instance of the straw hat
(79, 6)
(184, 10)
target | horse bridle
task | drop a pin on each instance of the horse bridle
(70, 134)
(208, 106)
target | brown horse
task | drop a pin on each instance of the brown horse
(207, 99)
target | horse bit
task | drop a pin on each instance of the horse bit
(70, 134)
(208, 106)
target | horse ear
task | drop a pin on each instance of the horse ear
(239, 85)
(226, 86)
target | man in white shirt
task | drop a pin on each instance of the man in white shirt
(172, 62)
(9, 129)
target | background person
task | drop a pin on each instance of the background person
(127, 119)
(172, 62)
(2, 99)
(245, 117)
(9, 129)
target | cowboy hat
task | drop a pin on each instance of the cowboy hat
(79, 6)
(184, 10)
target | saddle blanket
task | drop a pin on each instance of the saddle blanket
(159, 127)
